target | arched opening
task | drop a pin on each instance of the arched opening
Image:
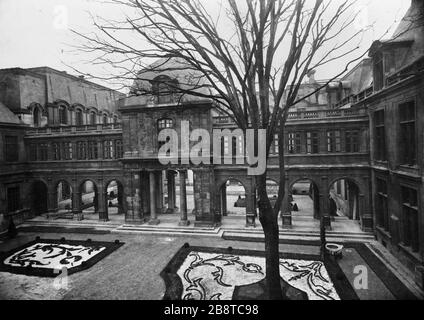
(64, 197)
(39, 198)
(105, 119)
(115, 200)
(272, 190)
(89, 200)
(304, 199)
(344, 200)
(233, 200)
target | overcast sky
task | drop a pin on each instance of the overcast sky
(37, 32)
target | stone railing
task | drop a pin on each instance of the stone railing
(307, 115)
(74, 129)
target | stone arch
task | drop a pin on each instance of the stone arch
(63, 192)
(347, 201)
(224, 196)
(354, 180)
(314, 192)
(87, 199)
(114, 199)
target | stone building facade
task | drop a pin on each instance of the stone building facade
(362, 133)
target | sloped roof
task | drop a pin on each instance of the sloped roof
(7, 116)
(413, 20)
(360, 77)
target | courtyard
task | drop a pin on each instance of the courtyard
(154, 267)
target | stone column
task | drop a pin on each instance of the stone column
(76, 205)
(159, 188)
(52, 202)
(223, 197)
(171, 192)
(286, 214)
(183, 199)
(153, 214)
(250, 206)
(102, 203)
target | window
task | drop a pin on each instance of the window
(33, 152)
(352, 141)
(92, 150)
(380, 135)
(294, 143)
(334, 141)
(79, 120)
(43, 152)
(13, 199)
(36, 116)
(381, 205)
(312, 142)
(276, 144)
(67, 151)
(115, 120)
(165, 89)
(63, 115)
(118, 149)
(11, 149)
(410, 218)
(82, 150)
(55, 151)
(408, 143)
(165, 124)
(108, 149)
(93, 118)
(105, 120)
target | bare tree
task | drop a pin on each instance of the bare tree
(251, 59)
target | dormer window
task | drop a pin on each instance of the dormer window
(79, 117)
(165, 89)
(92, 118)
(63, 115)
(36, 116)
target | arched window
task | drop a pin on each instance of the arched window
(105, 120)
(115, 120)
(36, 116)
(93, 118)
(165, 89)
(79, 120)
(63, 115)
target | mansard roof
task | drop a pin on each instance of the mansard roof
(7, 116)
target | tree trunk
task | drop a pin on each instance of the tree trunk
(272, 256)
(269, 222)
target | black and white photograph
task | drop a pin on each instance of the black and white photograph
(234, 152)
